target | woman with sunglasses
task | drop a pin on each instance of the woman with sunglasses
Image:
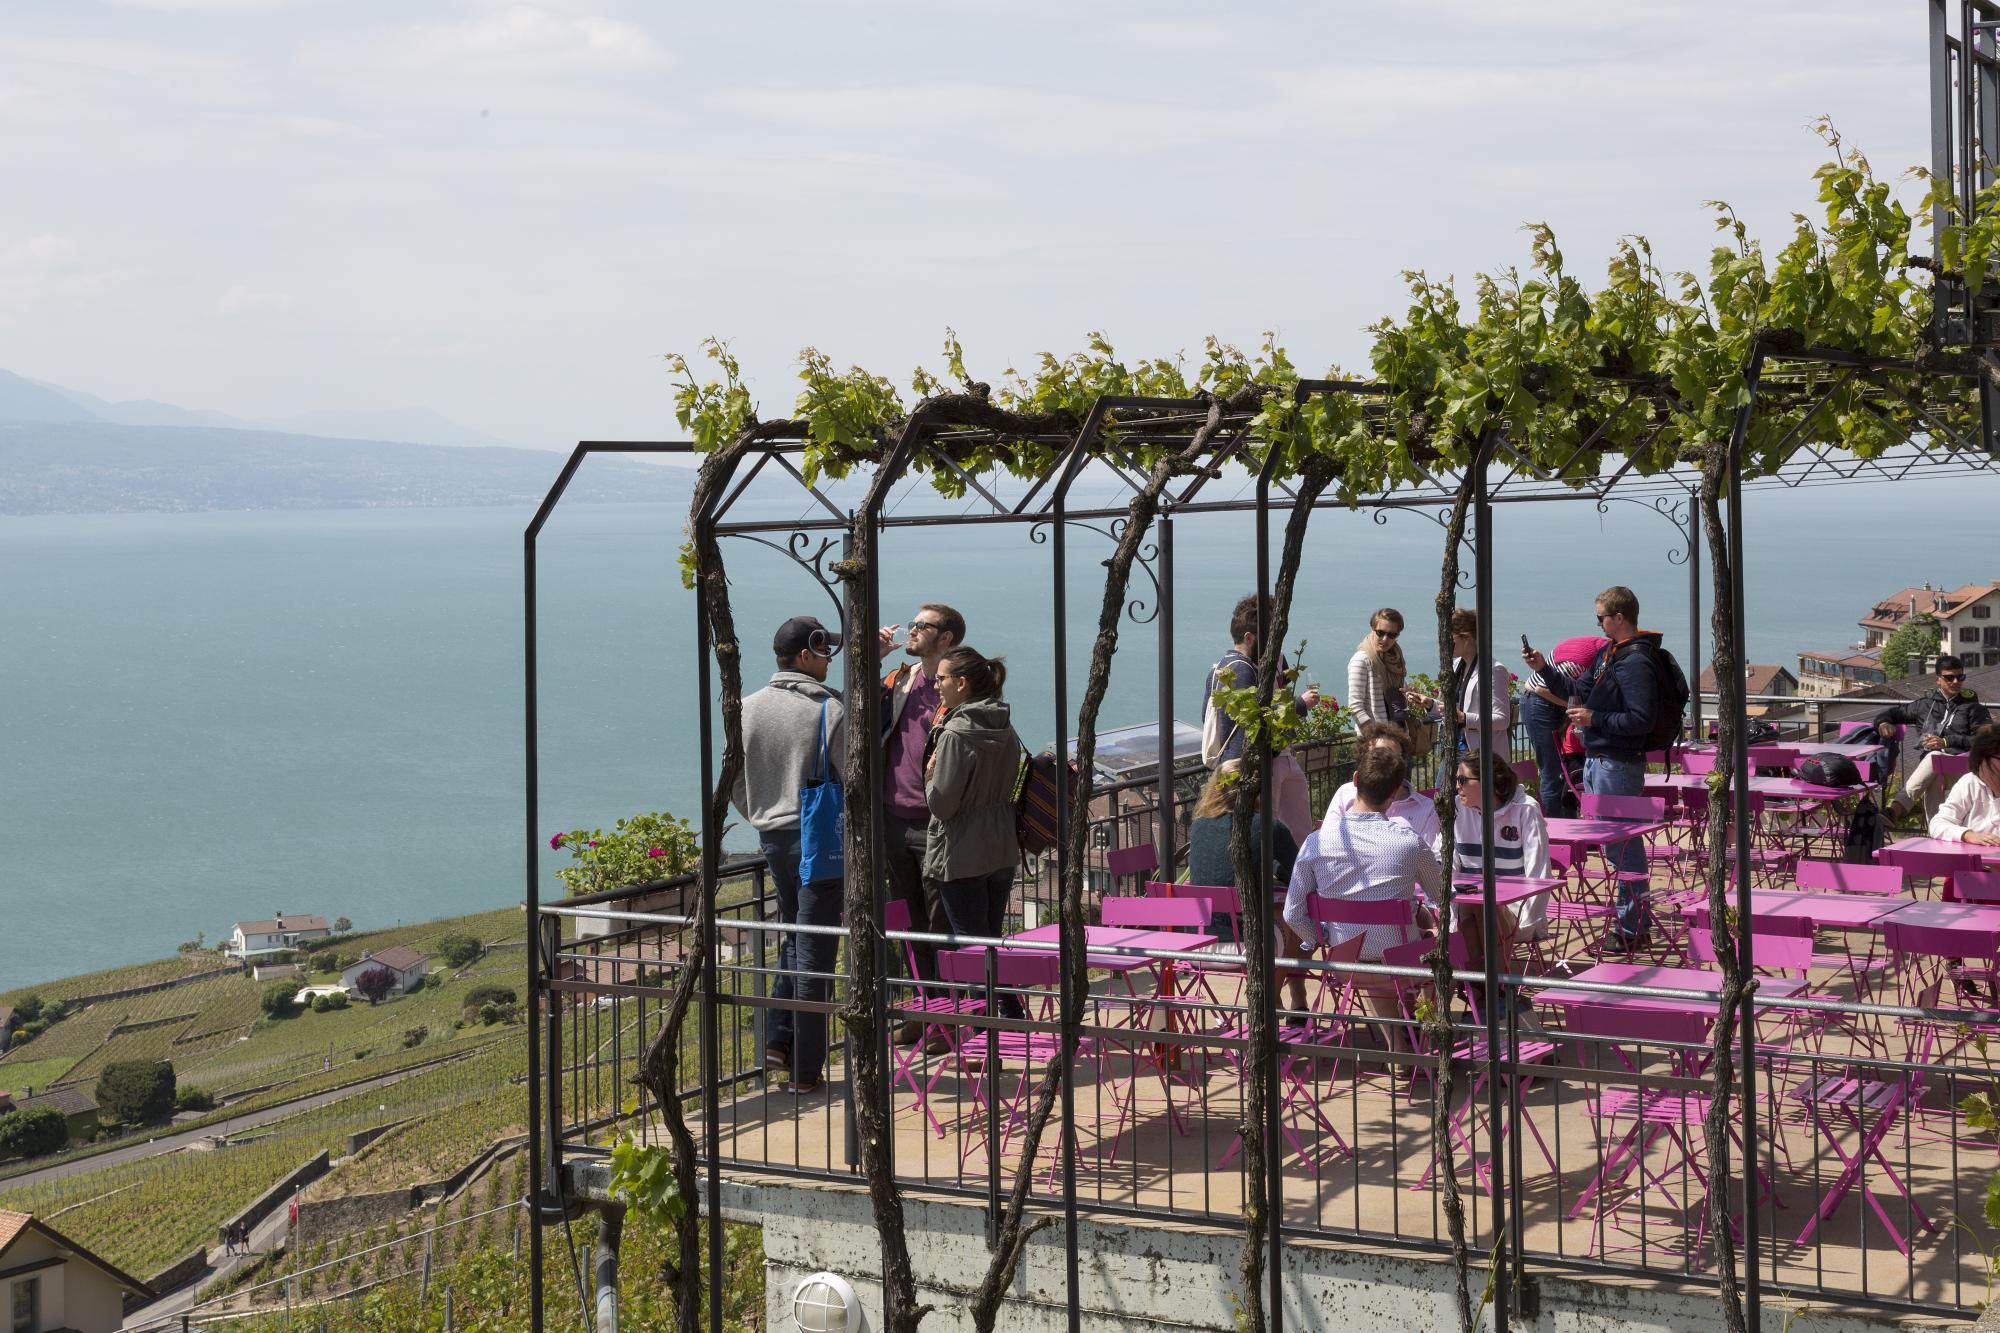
(1944, 719)
(1520, 848)
(1376, 673)
(1971, 814)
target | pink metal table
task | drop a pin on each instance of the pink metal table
(1989, 855)
(1597, 832)
(1828, 911)
(1762, 783)
(1980, 916)
(1667, 978)
(1118, 937)
(1507, 889)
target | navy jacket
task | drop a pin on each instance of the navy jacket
(1622, 694)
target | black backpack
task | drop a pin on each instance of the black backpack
(1829, 770)
(1864, 834)
(1671, 688)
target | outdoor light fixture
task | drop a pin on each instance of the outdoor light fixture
(825, 1303)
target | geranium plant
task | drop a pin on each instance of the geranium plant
(638, 848)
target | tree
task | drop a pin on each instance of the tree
(324, 960)
(457, 948)
(1910, 643)
(191, 1098)
(29, 1010)
(195, 945)
(341, 925)
(280, 999)
(137, 1092)
(30, 1133)
(375, 984)
(492, 992)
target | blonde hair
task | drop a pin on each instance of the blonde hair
(1218, 798)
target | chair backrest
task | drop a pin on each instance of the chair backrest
(1630, 1023)
(1155, 913)
(1769, 756)
(1141, 860)
(1977, 886)
(1697, 761)
(1788, 953)
(1623, 807)
(1010, 967)
(1528, 771)
(1840, 877)
(1361, 911)
(1849, 729)
(1950, 767)
(1906, 942)
(896, 916)
(1223, 900)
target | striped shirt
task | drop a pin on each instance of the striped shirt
(1365, 857)
(1520, 848)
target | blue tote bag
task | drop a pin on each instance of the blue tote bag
(822, 820)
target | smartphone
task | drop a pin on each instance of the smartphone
(1524, 645)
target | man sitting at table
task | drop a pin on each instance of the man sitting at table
(1972, 812)
(1365, 856)
(1945, 719)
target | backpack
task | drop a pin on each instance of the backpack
(1864, 834)
(1216, 727)
(1829, 770)
(1035, 826)
(1671, 684)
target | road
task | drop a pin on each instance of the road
(234, 1124)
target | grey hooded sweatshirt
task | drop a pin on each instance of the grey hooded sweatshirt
(781, 748)
(970, 792)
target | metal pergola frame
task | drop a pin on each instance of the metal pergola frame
(1103, 438)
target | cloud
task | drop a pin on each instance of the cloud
(205, 6)
(240, 300)
(523, 39)
(323, 127)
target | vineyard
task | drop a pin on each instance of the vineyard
(479, 1105)
(116, 978)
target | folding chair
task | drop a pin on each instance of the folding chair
(934, 1011)
(1124, 862)
(982, 1055)
(1300, 1110)
(1885, 881)
(1943, 866)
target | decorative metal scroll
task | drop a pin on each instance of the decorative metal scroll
(795, 549)
(1138, 609)
(1675, 509)
(1440, 516)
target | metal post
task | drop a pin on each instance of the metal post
(711, 1074)
(1739, 768)
(1694, 609)
(1164, 832)
(1496, 1058)
(1274, 1193)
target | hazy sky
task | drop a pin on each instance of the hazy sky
(507, 212)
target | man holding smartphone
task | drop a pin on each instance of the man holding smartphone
(1613, 705)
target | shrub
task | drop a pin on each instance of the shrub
(280, 998)
(415, 1037)
(457, 948)
(191, 1098)
(29, 1009)
(328, 1002)
(346, 960)
(324, 961)
(491, 991)
(137, 1092)
(341, 925)
(489, 1014)
(375, 984)
(638, 849)
(30, 1133)
(509, 1013)
(195, 945)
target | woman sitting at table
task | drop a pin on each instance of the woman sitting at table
(1412, 809)
(1520, 849)
(1972, 812)
(1365, 856)
(1212, 855)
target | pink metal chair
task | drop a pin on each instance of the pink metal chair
(1697, 761)
(1127, 862)
(1528, 771)
(1843, 877)
(1223, 901)
(935, 1012)
(982, 1055)
(1943, 866)
(1168, 914)
(1977, 886)
(1301, 1110)
(1928, 956)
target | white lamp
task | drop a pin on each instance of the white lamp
(825, 1303)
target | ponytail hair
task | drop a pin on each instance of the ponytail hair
(985, 676)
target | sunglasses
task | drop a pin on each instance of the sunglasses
(1958, 676)
(1464, 778)
(1388, 634)
(916, 625)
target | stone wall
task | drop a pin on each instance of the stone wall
(179, 1273)
(271, 1199)
(328, 1219)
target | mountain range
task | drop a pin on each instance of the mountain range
(66, 451)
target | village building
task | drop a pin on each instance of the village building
(407, 965)
(49, 1283)
(78, 1107)
(248, 939)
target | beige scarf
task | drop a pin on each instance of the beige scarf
(1389, 666)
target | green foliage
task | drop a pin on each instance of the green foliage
(137, 1092)
(639, 848)
(489, 1013)
(642, 1175)
(195, 945)
(30, 1009)
(341, 925)
(30, 1133)
(280, 998)
(190, 1098)
(328, 1002)
(458, 948)
(325, 960)
(1913, 640)
(375, 984)
(491, 992)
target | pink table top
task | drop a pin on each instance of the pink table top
(1119, 937)
(1834, 911)
(1980, 916)
(1600, 830)
(1669, 978)
(1506, 888)
(1990, 855)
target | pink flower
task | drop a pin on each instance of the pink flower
(593, 842)
(656, 851)
(555, 843)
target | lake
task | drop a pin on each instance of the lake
(217, 716)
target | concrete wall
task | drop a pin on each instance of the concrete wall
(1159, 1276)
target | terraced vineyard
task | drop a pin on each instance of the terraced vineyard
(479, 1105)
(116, 978)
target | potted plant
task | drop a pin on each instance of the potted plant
(648, 849)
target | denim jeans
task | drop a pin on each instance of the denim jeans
(977, 906)
(904, 841)
(803, 960)
(1544, 722)
(1607, 775)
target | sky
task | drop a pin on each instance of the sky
(509, 212)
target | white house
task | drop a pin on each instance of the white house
(1968, 616)
(49, 1282)
(250, 938)
(405, 964)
